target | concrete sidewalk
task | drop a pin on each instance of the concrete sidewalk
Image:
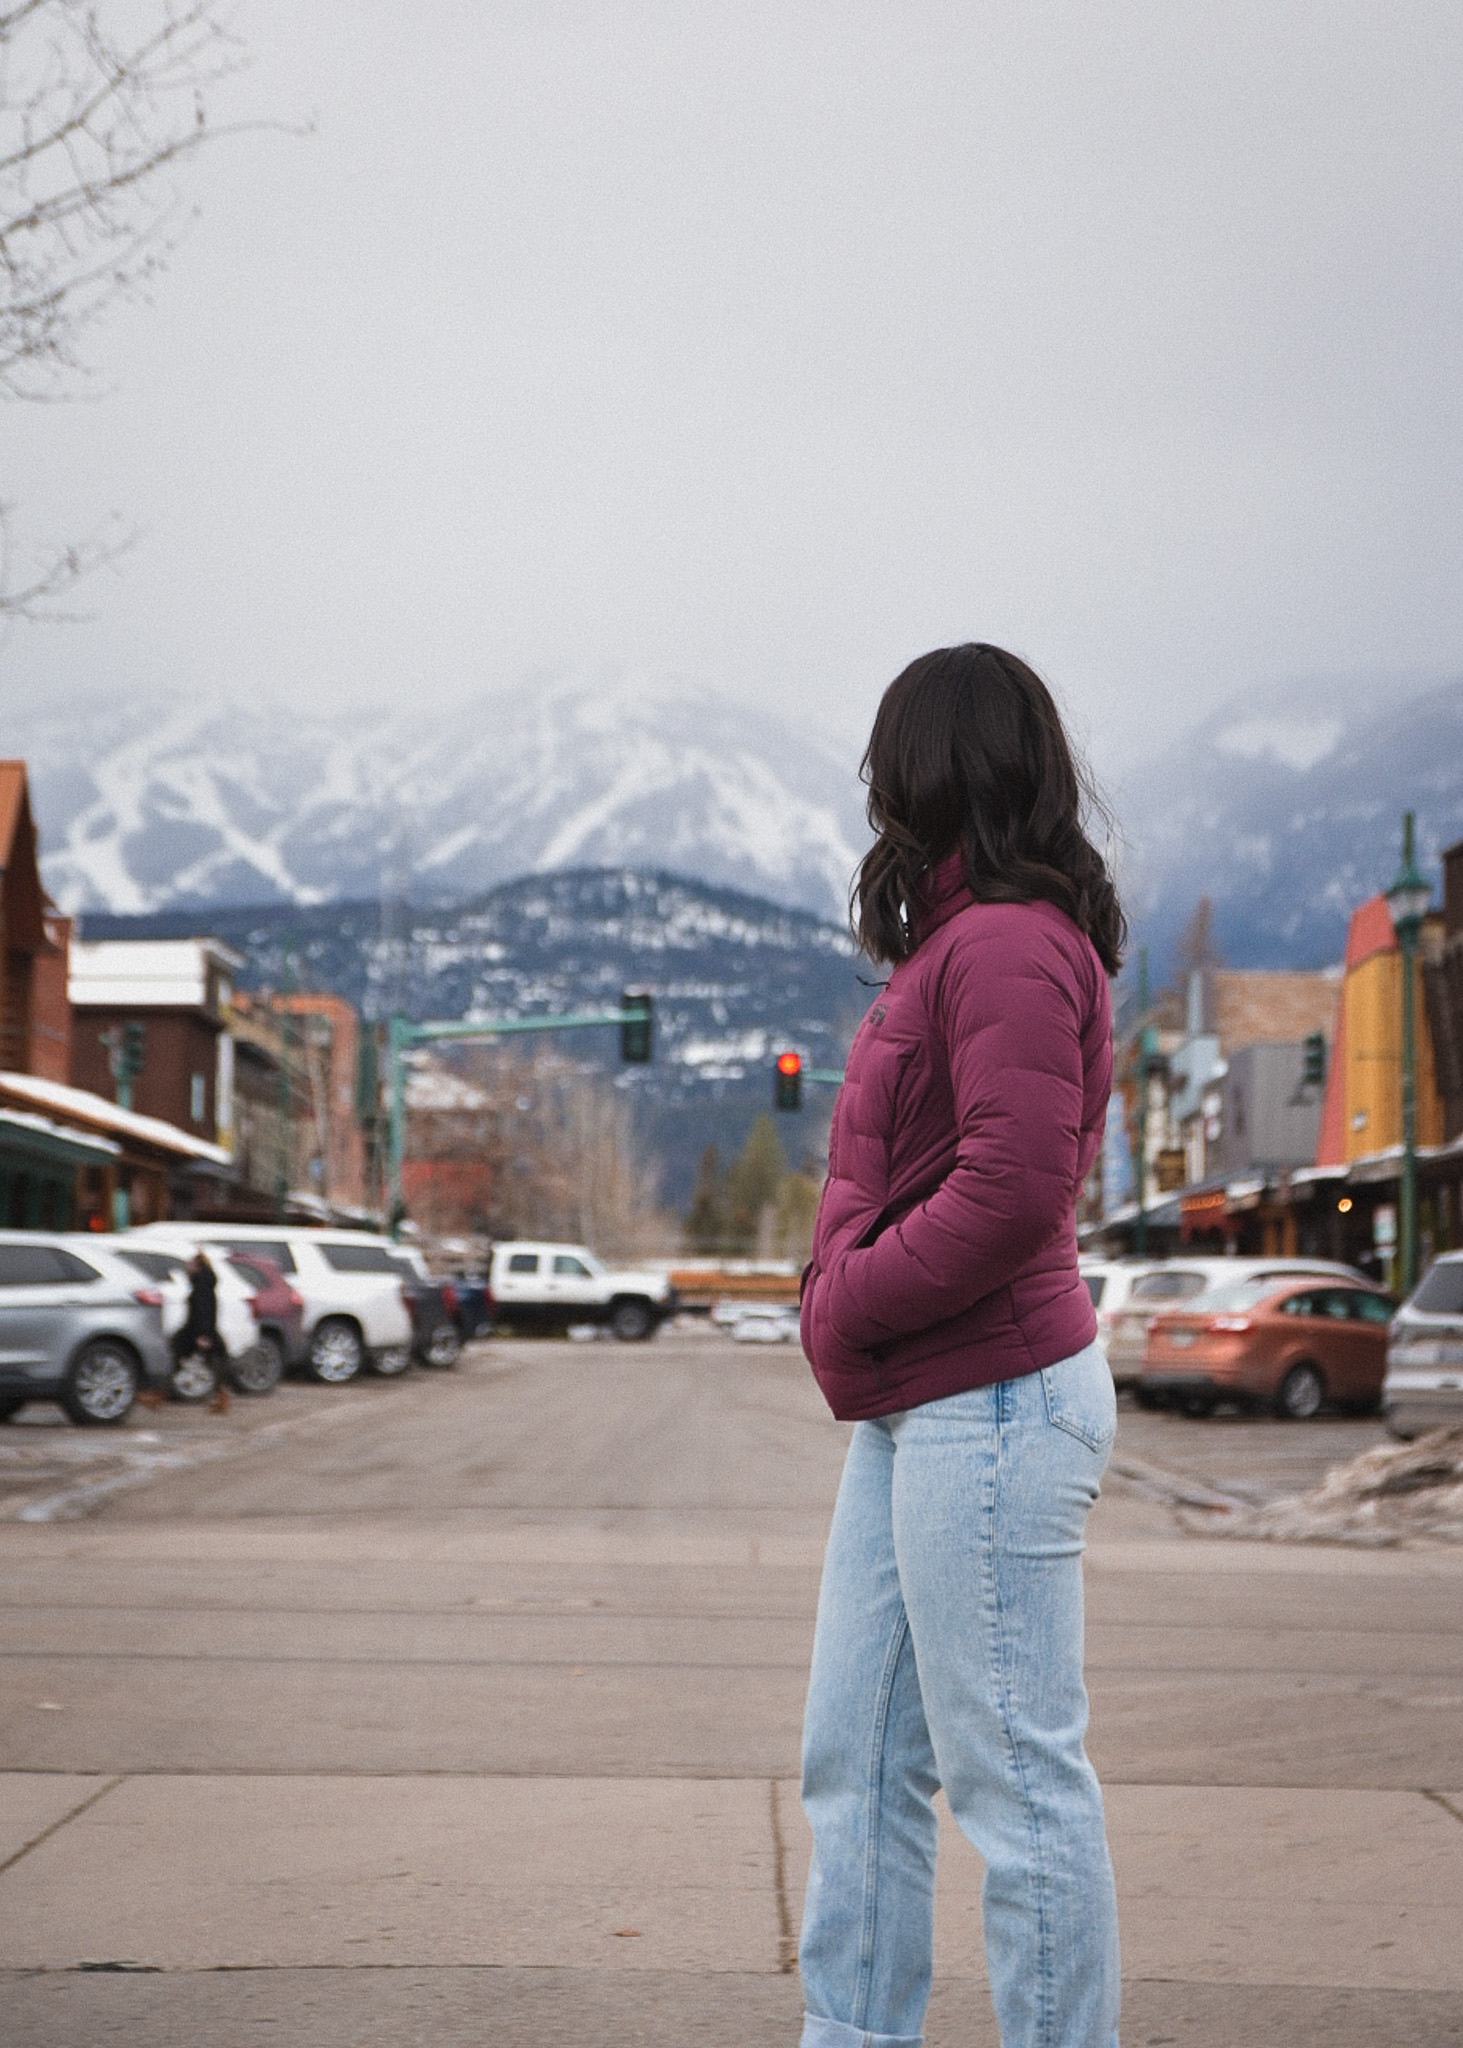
(525, 1776)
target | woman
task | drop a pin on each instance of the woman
(943, 1314)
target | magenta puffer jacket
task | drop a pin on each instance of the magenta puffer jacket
(945, 1251)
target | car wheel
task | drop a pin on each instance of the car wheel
(258, 1370)
(193, 1378)
(101, 1383)
(632, 1321)
(1148, 1397)
(1301, 1392)
(1196, 1405)
(10, 1404)
(392, 1361)
(444, 1347)
(336, 1351)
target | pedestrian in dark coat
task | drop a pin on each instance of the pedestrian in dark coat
(943, 1312)
(200, 1329)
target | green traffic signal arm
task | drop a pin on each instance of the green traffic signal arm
(404, 1034)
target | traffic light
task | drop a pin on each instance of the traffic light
(134, 1046)
(1313, 1070)
(787, 1087)
(637, 1027)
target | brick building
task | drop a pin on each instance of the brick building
(178, 992)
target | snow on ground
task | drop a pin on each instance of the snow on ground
(1398, 1493)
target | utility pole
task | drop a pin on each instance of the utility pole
(1408, 900)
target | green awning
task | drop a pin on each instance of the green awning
(34, 1141)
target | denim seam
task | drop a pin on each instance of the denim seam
(1038, 1866)
(1065, 1423)
(878, 1743)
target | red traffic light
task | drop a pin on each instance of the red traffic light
(787, 1081)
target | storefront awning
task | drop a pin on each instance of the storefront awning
(34, 1141)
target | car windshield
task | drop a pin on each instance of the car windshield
(1233, 1294)
(1441, 1293)
(156, 1265)
(1171, 1286)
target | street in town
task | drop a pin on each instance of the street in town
(465, 1708)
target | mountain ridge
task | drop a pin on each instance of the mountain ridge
(1284, 807)
(200, 806)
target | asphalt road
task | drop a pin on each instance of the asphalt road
(405, 1703)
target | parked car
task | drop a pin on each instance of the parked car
(433, 1305)
(1290, 1345)
(1424, 1384)
(474, 1310)
(766, 1322)
(1169, 1283)
(552, 1286)
(1110, 1282)
(355, 1311)
(247, 1363)
(82, 1329)
(279, 1313)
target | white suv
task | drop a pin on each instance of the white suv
(1171, 1282)
(355, 1310)
(551, 1286)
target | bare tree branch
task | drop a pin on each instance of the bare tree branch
(40, 599)
(101, 102)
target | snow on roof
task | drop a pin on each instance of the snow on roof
(146, 973)
(26, 1120)
(81, 1104)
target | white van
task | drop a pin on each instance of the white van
(355, 1307)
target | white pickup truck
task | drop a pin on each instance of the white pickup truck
(551, 1286)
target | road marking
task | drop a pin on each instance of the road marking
(65, 1821)
(787, 1947)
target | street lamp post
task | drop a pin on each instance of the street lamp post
(1408, 900)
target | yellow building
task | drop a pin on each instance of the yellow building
(1363, 1110)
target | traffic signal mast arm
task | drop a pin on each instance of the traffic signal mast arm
(633, 1017)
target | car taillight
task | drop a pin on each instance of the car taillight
(1229, 1323)
(449, 1298)
(490, 1300)
(148, 1296)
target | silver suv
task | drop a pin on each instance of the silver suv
(1424, 1384)
(76, 1326)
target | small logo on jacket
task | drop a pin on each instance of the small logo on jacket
(879, 1014)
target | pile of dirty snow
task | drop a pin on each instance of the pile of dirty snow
(1395, 1494)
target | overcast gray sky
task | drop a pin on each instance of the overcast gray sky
(772, 343)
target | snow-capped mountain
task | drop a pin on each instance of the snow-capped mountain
(1284, 807)
(735, 980)
(1287, 814)
(145, 808)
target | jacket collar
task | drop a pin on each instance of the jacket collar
(944, 894)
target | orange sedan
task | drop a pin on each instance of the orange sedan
(1288, 1345)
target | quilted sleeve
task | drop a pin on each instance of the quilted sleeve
(1011, 1018)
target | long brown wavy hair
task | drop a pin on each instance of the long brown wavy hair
(968, 750)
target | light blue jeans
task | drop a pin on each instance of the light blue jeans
(949, 1653)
